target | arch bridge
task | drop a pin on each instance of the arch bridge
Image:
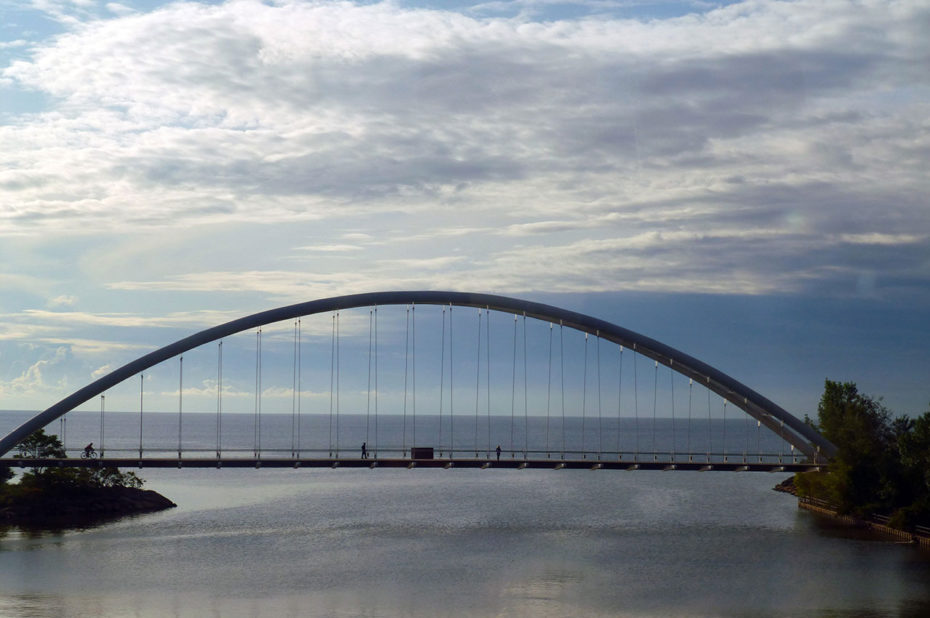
(805, 447)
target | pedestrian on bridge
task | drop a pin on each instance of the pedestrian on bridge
(498, 452)
(364, 450)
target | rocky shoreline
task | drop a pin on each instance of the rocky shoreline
(80, 507)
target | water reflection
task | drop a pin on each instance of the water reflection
(426, 543)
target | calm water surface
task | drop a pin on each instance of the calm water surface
(284, 542)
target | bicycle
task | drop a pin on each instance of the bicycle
(91, 454)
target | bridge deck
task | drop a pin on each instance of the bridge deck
(505, 463)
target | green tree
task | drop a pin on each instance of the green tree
(865, 475)
(40, 445)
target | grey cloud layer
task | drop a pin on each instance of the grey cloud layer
(741, 144)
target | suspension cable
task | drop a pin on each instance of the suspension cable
(748, 431)
(451, 388)
(724, 430)
(584, 395)
(690, 392)
(526, 432)
(377, 435)
(600, 422)
(619, 402)
(635, 404)
(141, 392)
(709, 428)
(562, 388)
(413, 367)
(180, 399)
(477, 381)
(299, 385)
(332, 383)
(219, 398)
(294, 399)
(655, 401)
(671, 382)
(548, 391)
(256, 425)
(513, 386)
(406, 370)
(759, 439)
(338, 376)
(442, 373)
(371, 315)
(103, 399)
(487, 369)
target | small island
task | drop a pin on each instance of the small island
(70, 497)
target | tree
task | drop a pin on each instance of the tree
(882, 464)
(40, 445)
(865, 473)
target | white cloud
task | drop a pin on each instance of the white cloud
(63, 301)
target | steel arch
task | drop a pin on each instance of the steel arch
(796, 432)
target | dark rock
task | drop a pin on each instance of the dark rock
(787, 486)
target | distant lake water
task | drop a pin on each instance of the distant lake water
(385, 542)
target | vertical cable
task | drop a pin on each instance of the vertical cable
(526, 432)
(487, 355)
(377, 435)
(584, 396)
(548, 391)
(600, 422)
(103, 399)
(709, 428)
(332, 383)
(562, 388)
(442, 373)
(451, 392)
(513, 386)
(759, 439)
(406, 371)
(294, 399)
(619, 401)
(655, 394)
(413, 363)
(671, 382)
(257, 447)
(219, 398)
(141, 391)
(371, 315)
(299, 385)
(748, 431)
(477, 381)
(180, 399)
(635, 404)
(690, 392)
(338, 375)
(724, 430)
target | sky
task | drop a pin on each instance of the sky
(746, 181)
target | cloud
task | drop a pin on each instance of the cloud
(751, 148)
(35, 379)
(63, 301)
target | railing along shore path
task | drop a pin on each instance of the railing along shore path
(874, 522)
